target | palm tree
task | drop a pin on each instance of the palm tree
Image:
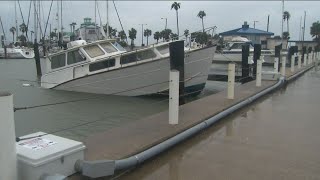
(13, 30)
(201, 15)
(176, 6)
(165, 34)
(286, 17)
(315, 32)
(174, 36)
(122, 35)
(157, 36)
(186, 34)
(23, 28)
(132, 36)
(286, 35)
(147, 33)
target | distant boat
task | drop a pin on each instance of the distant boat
(233, 51)
(104, 67)
(17, 53)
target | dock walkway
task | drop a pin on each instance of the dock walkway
(135, 137)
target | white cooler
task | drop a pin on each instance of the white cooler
(48, 154)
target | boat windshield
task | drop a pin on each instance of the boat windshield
(239, 45)
(117, 45)
(108, 47)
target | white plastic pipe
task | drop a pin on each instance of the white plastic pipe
(231, 77)
(8, 157)
(174, 97)
(299, 61)
(283, 66)
(292, 62)
(275, 65)
(259, 73)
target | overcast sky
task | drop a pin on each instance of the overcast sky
(226, 15)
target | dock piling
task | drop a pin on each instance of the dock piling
(8, 163)
(245, 64)
(276, 65)
(259, 72)
(277, 53)
(176, 49)
(283, 66)
(231, 77)
(299, 61)
(292, 63)
(256, 56)
(174, 97)
(305, 60)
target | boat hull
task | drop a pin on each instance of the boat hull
(145, 78)
(14, 53)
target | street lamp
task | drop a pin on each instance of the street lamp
(166, 22)
(142, 34)
(254, 24)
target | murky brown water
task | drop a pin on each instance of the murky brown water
(277, 137)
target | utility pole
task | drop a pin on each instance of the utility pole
(254, 24)
(166, 22)
(142, 34)
(268, 23)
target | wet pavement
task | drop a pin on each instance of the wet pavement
(276, 137)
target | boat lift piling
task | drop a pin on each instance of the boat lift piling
(176, 49)
(245, 65)
(256, 56)
(278, 55)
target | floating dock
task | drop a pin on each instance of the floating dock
(128, 140)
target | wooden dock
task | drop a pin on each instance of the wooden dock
(135, 137)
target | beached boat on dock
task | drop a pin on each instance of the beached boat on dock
(104, 67)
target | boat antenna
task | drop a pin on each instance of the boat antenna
(268, 22)
(120, 20)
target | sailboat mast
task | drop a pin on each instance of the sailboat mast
(61, 21)
(300, 29)
(16, 20)
(107, 19)
(95, 17)
(58, 23)
(304, 27)
(282, 23)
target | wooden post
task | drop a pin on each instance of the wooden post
(275, 65)
(292, 63)
(256, 56)
(299, 61)
(231, 77)
(174, 97)
(259, 73)
(283, 66)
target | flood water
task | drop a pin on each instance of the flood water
(277, 137)
(73, 120)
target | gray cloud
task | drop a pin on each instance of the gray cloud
(226, 15)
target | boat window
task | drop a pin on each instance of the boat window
(58, 61)
(93, 51)
(119, 46)
(102, 65)
(74, 57)
(139, 56)
(108, 47)
(163, 49)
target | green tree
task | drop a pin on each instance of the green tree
(23, 28)
(186, 34)
(315, 32)
(147, 33)
(165, 34)
(201, 15)
(13, 31)
(112, 31)
(122, 35)
(174, 36)
(286, 35)
(286, 17)
(22, 39)
(176, 6)
(157, 36)
(132, 36)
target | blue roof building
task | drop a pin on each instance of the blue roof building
(255, 35)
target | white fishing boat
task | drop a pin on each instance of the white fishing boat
(17, 53)
(104, 67)
(233, 51)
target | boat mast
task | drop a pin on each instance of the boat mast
(304, 27)
(95, 17)
(300, 29)
(61, 21)
(58, 23)
(16, 20)
(282, 24)
(107, 19)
